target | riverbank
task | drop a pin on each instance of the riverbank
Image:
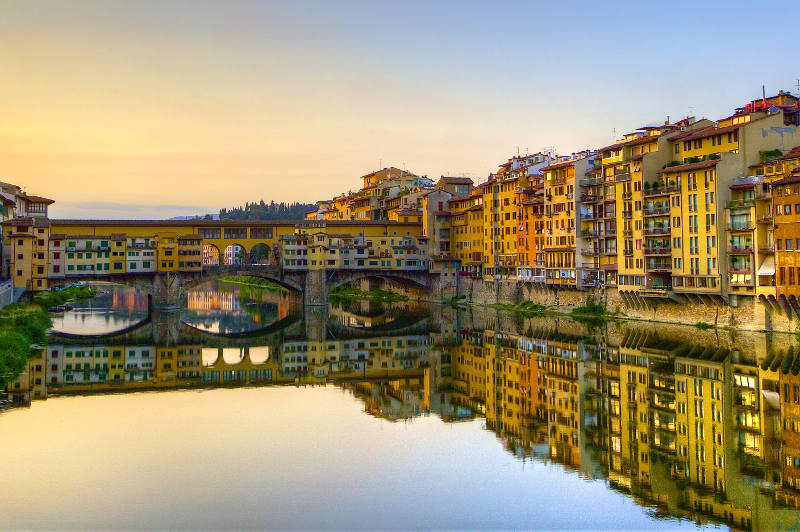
(21, 328)
(249, 280)
(73, 294)
(350, 293)
(749, 314)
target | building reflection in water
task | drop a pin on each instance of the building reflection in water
(705, 432)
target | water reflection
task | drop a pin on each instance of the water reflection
(115, 307)
(231, 308)
(689, 427)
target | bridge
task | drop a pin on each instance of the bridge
(311, 287)
(166, 259)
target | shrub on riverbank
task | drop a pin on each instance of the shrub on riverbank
(526, 308)
(350, 293)
(21, 326)
(51, 298)
(249, 280)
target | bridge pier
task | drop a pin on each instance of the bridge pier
(167, 292)
(315, 289)
(315, 318)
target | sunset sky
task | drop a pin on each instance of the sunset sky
(158, 109)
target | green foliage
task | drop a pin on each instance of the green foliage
(590, 308)
(766, 155)
(249, 280)
(672, 163)
(702, 325)
(267, 211)
(690, 160)
(51, 298)
(714, 156)
(350, 293)
(21, 326)
(526, 308)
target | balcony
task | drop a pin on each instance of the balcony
(741, 203)
(589, 252)
(627, 195)
(628, 233)
(740, 250)
(589, 234)
(740, 227)
(658, 266)
(621, 178)
(627, 214)
(588, 216)
(661, 191)
(741, 268)
(650, 231)
(663, 250)
(628, 252)
(767, 219)
(655, 211)
(588, 198)
(766, 250)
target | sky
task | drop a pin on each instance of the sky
(153, 109)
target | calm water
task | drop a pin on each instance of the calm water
(397, 416)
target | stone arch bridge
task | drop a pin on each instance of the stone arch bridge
(167, 289)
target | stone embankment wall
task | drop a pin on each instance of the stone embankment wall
(751, 315)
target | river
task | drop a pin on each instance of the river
(244, 411)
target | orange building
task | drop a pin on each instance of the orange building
(786, 198)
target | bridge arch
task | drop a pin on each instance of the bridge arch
(415, 279)
(235, 254)
(211, 255)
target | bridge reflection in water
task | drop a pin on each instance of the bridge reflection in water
(686, 423)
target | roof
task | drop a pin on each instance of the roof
(456, 180)
(794, 153)
(705, 132)
(690, 166)
(644, 139)
(787, 180)
(38, 199)
(561, 164)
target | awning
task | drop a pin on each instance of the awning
(768, 266)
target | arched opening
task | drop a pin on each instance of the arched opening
(259, 354)
(260, 254)
(235, 255)
(210, 255)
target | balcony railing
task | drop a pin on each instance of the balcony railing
(656, 231)
(658, 267)
(740, 250)
(627, 214)
(627, 232)
(661, 191)
(767, 250)
(655, 211)
(664, 250)
(741, 203)
(627, 195)
(765, 220)
(619, 178)
(588, 198)
(747, 226)
(741, 269)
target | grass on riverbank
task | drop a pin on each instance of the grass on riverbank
(350, 293)
(249, 280)
(21, 326)
(526, 308)
(51, 298)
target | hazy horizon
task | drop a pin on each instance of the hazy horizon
(159, 109)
